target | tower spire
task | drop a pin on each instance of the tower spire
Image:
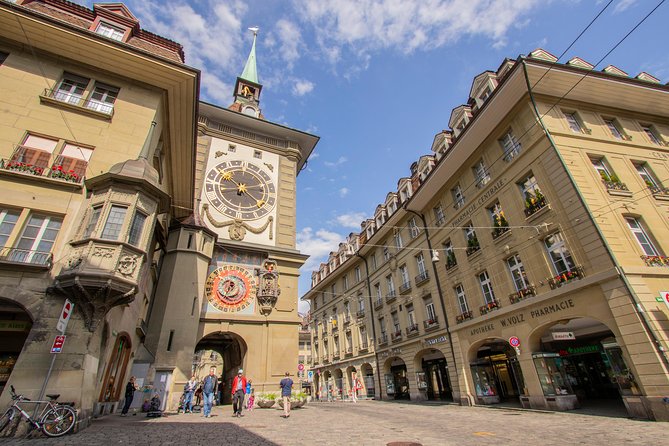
(250, 72)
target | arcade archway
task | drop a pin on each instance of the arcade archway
(338, 390)
(496, 372)
(433, 376)
(15, 324)
(230, 351)
(396, 378)
(367, 378)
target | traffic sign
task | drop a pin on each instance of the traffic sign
(514, 342)
(300, 367)
(65, 314)
(58, 343)
(665, 297)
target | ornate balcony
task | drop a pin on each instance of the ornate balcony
(656, 260)
(490, 306)
(421, 278)
(391, 296)
(519, 295)
(564, 278)
(335, 356)
(412, 330)
(42, 167)
(324, 332)
(396, 336)
(360, 313)
(378, 303)
(383, 339)
(431, 324)
(364, 346)
(464, 316)
(348, 351)
(76, 102)
(347, 319)
(18, 256)
(405, 287)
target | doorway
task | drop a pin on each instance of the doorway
(224, 350)
(15, 324)
(497, 373)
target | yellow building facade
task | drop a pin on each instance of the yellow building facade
(523, 262)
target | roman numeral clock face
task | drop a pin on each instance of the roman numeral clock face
(240, 190)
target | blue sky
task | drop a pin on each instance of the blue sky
(377, 79)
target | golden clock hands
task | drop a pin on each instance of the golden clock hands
(227, 176)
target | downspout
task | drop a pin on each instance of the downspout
(441, 296)
(371, 313)
(638, 309)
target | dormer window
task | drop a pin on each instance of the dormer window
(485, 95)
(112, 31)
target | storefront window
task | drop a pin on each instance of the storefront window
(552, 375)
(484, 380)
(421, 380)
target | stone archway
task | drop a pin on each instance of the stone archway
(396, 378)
(432, 375)
(496, 372)
(367, 379)
(338, 388)
(15, 324)
(224, 350)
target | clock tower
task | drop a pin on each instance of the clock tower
(244, 284)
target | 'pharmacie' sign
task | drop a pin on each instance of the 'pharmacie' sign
(524, 316)
(487, 195)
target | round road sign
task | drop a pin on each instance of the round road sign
(300, 367)
(514, 341)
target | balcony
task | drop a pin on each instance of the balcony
(405, 287)
(616, 187)
(431, 324)
(458, 204)
(659, 192)
(412, 330)
(378, 303)
(464, 316)
(451, 261)
(347, 319)
(512, 152)
(348, 351)
(335, 356)
(391, 296)
(396, 336)
(564, 278)
(16, 256)
(360, 313)
(534, 203)
(364, 347)
(35, 162)
(326, 360)
(76, 102)
(519, 295)
(656, 260)
(421, 278)
(472, 246)
(490, 306)
(440, 221)
(324, 332)
(383, 339)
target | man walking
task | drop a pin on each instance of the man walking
(286, 385)
(238, 390)
(189, 390)
(129, 395)
(208, 389)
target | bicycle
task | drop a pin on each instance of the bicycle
(55, 419)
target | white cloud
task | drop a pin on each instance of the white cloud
(350, 220)
(314, 155)
(622, 5)
(343, 192)
(302, 87)
(317, 245)
(290, 40)
(341, 160)
(368, 25)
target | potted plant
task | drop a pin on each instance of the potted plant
(265, 400)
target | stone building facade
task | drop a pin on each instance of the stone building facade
(524, 260)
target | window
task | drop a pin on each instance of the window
(361, 303)
(601, 168)
(471, 239)
(614, 128)
(396, 322)
(399, 244)
(114, 222)
(257, 154)
(641, 237)
(72, 162)
(71, 89)
(8, 219)
(510, 146)
(573, 121)
(136, 228)
(391, 285)
(430, 312)
(404, 274)
(481, 174)
(345, 281)
(347, 308)
(420, 261)
(377, 291)
(363, 335)
(102, 99)
(111, 31)
(486, 288)
(462, 299)
(36, 151)
(450, 254)
(93, 221)
(37, 239)
(439, 215)
(411, 315)
(497, 216)
(458, 197)
(485, 95)
(358, 276)
(232, 148)
(413, 228)
(382, 325)
(386, 252)
(560, 256)
(651, 133)
(517, 272)
(529, 186)
(373, 261)
(646, 175)
(333, 290)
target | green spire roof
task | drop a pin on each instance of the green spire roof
(250, 72)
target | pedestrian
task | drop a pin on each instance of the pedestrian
(129, 394)
(247, 393)
(198, 395)
(286, 385)
(189, 390)
(221, 387)
(250, 395)
(208, 388)
(238, 389)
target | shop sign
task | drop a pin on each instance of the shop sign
(433, 341)
(665, 297)
(563, 335)
(580, 350)
(480, 202)
(15, 325)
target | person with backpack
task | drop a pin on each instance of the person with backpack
(189, 390)
(209, 385)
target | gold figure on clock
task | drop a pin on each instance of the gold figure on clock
(240, 190)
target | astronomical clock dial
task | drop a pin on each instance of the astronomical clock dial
(230, 288)
(240, 190)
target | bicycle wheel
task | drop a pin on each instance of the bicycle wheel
(6, 418)
(58, 421)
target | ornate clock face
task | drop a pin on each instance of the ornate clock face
(240, 190)
(230, 288)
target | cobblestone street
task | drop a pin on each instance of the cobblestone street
(368, 423)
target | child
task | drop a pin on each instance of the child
(146, 406)
(251, 401)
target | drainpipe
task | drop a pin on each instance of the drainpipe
(636, 304)
(441, 295)
(371, 313)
